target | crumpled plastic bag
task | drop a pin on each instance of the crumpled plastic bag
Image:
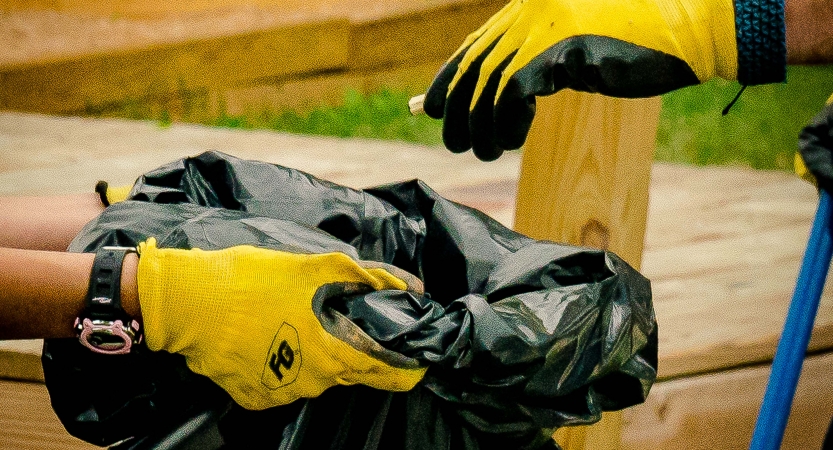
(521, 336)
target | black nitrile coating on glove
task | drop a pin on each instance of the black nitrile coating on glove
(434, 103)
(482, 119)
(595, 64)
(586, 63)
(456, 133)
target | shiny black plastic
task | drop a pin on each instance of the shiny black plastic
(520, 336)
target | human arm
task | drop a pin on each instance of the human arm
(809, 26)
(45, 222)
(42, 292)
(43, 288)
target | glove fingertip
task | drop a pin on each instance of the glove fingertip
(456, 139)
(456, 134)
(482, 118)
(513, 117)
(489, 155)
(146, 246)
(434, 103)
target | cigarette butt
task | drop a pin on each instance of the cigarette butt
(415, 104)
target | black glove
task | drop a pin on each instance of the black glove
(814, 160)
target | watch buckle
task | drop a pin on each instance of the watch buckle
(107, 337)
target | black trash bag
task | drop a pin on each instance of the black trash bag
(521, 336)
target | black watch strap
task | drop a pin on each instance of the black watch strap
(103, 326)
(104, 292)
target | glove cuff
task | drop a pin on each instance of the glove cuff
(762, 45)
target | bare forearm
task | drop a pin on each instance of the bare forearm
(45, 223)
(809, 31)
(42, 292)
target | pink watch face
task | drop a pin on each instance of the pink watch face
(107, 337)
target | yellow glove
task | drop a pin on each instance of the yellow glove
(110, 195)
(253, 321)
(814, 159)
(625, 48)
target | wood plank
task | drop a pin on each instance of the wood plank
(155, 9)
(718, 411)
(309, 40)
(584, 180)
(42, 155)
(423, 35)
(76, 85)
(28, 422)
(696, 204)
(723, 250)
(20, 360)
(40, 31)
(305, 93)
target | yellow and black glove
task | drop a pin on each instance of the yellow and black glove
(253, 320)
(624, 48)
(814, 160)
(110, 195)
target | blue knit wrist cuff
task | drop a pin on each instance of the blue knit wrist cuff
(762, 45)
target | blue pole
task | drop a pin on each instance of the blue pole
(786, 368)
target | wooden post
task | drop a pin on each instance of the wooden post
(584, 180)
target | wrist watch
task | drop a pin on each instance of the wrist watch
(103, 326)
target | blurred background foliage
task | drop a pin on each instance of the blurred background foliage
(760, 131)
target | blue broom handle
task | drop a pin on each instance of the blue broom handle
(786, 368)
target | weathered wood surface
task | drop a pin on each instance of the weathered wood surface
(20, 360)
(718, 411)
(722, 246)
(586, 171)
(722, 251)
(53, 30)
(28, 422)
(156, 9)
(584, 180)
(98, 80)
(306, 54)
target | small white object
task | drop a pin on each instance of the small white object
(415, 104)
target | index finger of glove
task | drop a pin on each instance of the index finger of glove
(468, 83)
(434, 103)
(482, 119)
(515, 106)
(456, 133)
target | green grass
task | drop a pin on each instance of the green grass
(761, 130)
(382, 115)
